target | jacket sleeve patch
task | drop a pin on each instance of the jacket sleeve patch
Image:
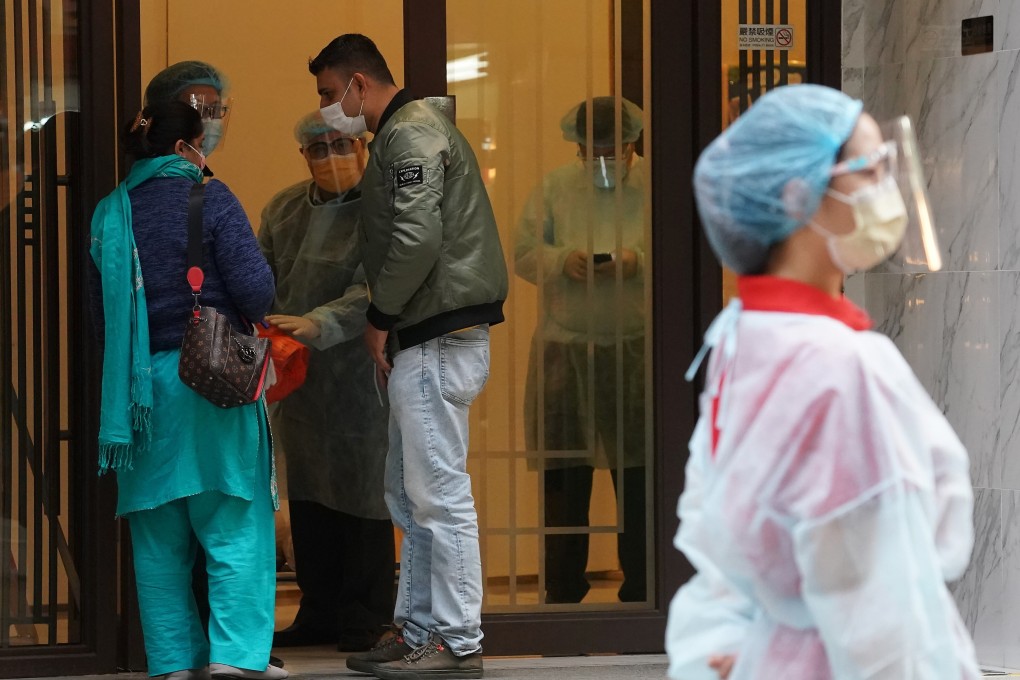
(411, 175)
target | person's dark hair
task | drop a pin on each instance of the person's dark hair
(157, 127)
(603, 113)
(353, 53)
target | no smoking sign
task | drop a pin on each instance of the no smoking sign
(765, 37)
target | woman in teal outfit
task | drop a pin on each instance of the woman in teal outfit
(188, 472)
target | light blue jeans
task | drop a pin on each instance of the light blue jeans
(428, 489)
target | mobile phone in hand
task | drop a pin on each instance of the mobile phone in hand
(599, 258)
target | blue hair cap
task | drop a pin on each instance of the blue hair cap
(764, 176)
(168, 84)
(311, 126)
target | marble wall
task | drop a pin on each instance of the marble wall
(959, 328)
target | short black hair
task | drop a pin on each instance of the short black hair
(353, 53)
(155, 130)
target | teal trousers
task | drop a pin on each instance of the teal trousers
(239, 542)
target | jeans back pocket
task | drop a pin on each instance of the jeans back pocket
(463, 365)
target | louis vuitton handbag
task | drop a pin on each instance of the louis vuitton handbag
(226, 367)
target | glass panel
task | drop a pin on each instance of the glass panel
(268, 81)
(764, 45)
(550, 97)
(40, 593)
(270, 89)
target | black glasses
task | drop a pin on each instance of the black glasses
(214, 111)
(341, 146)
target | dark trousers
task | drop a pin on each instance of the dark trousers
(577, 416)
(567, 495)
(345, 569)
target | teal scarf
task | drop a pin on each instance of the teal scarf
(127, 366)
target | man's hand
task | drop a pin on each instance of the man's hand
(297, 326)
(722, 664)
(375, 341)
(626, 259)
(576, 266)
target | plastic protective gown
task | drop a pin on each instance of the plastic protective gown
(566, 213)
(828, 501)
(333, 428)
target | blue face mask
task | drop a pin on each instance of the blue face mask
(213, 132)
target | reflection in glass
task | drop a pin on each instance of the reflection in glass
(560, 149)
(581, 242)
(40, 588)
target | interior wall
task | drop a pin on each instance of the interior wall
(263, 48)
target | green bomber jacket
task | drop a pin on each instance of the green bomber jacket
(430, 246)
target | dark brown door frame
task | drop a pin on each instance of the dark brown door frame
(824, 43)
(686, 115)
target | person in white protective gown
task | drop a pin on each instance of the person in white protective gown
(828, 500)
(333, 428)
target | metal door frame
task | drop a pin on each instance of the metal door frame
(686, 115)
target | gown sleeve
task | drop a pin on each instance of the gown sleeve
(872, 581)
(343, 319)
(708, 615)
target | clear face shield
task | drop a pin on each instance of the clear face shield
(898, 160)
(215, 117)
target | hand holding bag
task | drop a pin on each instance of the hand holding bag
(290, 361)
(226, 367)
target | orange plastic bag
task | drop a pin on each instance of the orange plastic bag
(290, 361)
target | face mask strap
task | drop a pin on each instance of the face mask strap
(200, 154)
(340, 103)
(887, 183)
(840, 196)
(820, 230)
(344, 96)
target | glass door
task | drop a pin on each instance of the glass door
(551, 97)
(51, 592)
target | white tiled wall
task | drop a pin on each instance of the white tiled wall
(959, 328)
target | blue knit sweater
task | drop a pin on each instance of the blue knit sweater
(238, 281)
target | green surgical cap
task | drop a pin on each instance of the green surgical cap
(764, 176)
(575, 123)
(171, 81)
(311, 126)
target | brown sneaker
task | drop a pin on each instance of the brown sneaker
(390, 648)
(432, 660)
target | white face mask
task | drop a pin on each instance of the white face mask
(338, 120)
(605, 174)
(880, 220)
(607, 171)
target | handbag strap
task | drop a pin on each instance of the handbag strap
(195, 274)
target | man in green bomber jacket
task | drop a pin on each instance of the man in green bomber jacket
(437, 280)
